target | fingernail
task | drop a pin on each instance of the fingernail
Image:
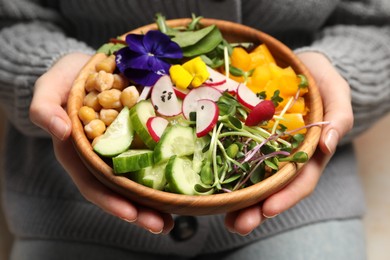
(331, 140)
(58, 127)
(155, 232)
(243, 235)
(266, 216)
(129, 220)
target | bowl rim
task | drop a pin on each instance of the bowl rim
(196, 204)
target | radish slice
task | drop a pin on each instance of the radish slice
(247, 97)
(156, 126)
(181, 93)
(215, 78)
(207, 113)
(220, 81)
(196, 94)
(164, 99)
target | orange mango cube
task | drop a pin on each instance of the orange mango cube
(291, 121)
(267, 54)
(240, 59)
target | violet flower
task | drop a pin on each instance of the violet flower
(144, 60)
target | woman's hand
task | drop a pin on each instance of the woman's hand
(335, 93)
(47, 111)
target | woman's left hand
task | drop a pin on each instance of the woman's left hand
(335, 93)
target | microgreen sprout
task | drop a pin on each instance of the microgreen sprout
(239, 155)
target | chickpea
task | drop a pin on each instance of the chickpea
(129, 96)
(91, 100)
(90, 83)
(110, 99)
(104, 81)
(120, 82)
(108, 64)
(94, 128)
(108, 115)
(87, 114)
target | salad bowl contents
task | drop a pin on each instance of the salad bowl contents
(195, 116)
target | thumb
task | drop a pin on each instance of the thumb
(336, 98)
(51, 93)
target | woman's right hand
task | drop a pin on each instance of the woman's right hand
(47, 111)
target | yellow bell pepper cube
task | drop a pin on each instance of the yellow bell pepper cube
(180, 77)
(198, 69)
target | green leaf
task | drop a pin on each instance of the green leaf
(110, 48)
(262, 95)
(258, 175)
(163, 27)
(194, 24)
(276, 99)
(236, 71)
(193, 116)
(231, 179)
(271, 164)
(203, 188)
(235, 122)
(246, 166)
(303, 81)
(300, 157)
(232, 150)
(189, 38)
(297, 140)
(205, 44)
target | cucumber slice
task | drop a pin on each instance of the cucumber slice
(153, 176)
(118, 136)
(132, 160)
(199, 155)
(181, 177)
(176, 140)
(139, 115)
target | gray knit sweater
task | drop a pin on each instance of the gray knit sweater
(39, 198)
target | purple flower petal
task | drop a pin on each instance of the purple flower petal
(158, 65)
(121, 59)
(135, 43)
(161, 45)
(142, 77)
(173, 51)
(143, 60)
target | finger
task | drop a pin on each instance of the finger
(301, 187)
(153, 221)
(111, 202)
(46, 111)
(93, 190)
(51, 93)
(244, 221)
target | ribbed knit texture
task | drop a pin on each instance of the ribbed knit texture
(40, 199)
(25, 55)
(362, 56)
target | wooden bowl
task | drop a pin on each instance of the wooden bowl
(208, 204)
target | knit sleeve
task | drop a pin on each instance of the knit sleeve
(362, 56)
(27, 51)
